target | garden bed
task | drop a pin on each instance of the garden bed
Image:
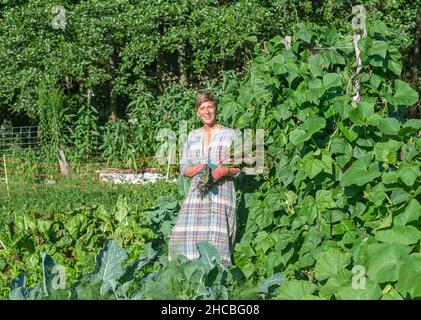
(119, 176)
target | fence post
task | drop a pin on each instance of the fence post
(2, 244)
(169, 164)
(64, 166)
(5, 173)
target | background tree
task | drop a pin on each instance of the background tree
(122, 49)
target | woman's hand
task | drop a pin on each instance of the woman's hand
(192, 171)
(220, 172)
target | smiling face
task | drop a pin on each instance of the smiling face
(207, 113)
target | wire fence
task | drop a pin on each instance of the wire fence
(20, 172)
(24, 139)
(21, 137)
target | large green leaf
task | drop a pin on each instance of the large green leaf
(312, 166)
(209, 255)
(391, 294)
(408, 173)
(389, 177)
(122, 209)
(372, 291)
(316, 64)
(378, 48)
(360, 172)
(376, 195)
(395, 66)
(398, 195)
(340, 146)
(263, 241)
(276, 279)
(315, 90)
(327, 162)
(135, 267)
(49, 273)
(410, 275)
(389, 126)
(404, 94)
(331, 80)
(264, 218)
(20, 291)
(330, 263)
(379, 29)
(356, 116)
(108, 268)
(324, 199)
(410, 126)
(350, 134)
(306, 130)
(54, 281)
(298, 136)
(304, 34)
(404, 235)
(335, 283)
(334, 57)
(364, 110)
(183, 184)
(296, 290)
(278, 63)
(382, 261)
(313, 125)
(386, 151)
(394, 60)
(412, 213)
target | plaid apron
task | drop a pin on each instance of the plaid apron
(213, 217)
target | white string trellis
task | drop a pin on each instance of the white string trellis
(358, 23)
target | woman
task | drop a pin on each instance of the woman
(210, 217)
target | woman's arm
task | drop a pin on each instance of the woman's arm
(187, 169)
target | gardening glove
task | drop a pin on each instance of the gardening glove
(220, 172)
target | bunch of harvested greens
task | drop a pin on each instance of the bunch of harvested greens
(207, 181)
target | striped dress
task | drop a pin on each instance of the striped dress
(213, 217)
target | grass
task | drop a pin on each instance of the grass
(68, 193)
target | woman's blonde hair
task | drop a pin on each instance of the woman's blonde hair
(205, 97)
